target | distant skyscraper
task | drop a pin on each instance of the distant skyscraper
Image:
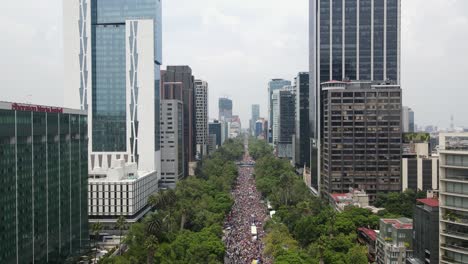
(453, 182)
(183, 75)
(255, 117)
(273, 85)
(362, 138)
(225, 109)
(286, 123)
(302, 131)
(113, 52)
(350, 40)
(215, 129)
(201, 116)
(408, 119)
(43, 183)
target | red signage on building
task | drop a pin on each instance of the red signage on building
(36, 108)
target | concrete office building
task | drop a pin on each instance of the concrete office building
(362, 137)
(408, 119)
(201, 118)
(254, 118)
(183, 75)
(453, 200)
(273, 85)
(113, 55)
(425, 232)
(302, 131)
(394, 241)
(286, 123)
(43, 182)
(172, 141)
(225, 109)
(350, 40)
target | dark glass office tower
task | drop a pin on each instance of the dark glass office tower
(225, 109)
(350, 40)
(43, 183)
(273, 85)
(183, 75)
(286, 123)
(302, 140)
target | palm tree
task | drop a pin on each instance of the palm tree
(121, 224)
(163, 199)
(153, 227)
(96, 229)
(151, 243)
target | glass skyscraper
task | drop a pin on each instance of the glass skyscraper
(43, 183)
(355, 40)
(112, 64)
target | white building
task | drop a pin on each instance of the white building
(201, 117)
(172, 142)
(115, 84)
(453, 200)
(120, 190)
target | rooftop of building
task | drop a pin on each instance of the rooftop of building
(432, 202)
(119, 172)
(372, 234)
(356, 85)
(26, 107)
(400, 223)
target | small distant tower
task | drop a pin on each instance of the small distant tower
(452, 124)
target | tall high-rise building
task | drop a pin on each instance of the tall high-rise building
(254, 118)
(201, 117)
(286, 122)
(408, 119)
(43, 183)
(215, 129)
(453, 200)
(273, 85)
(302, 131)
(350, 40)
(362, 138)
(225, 109)
(183, 75)
(113, 53)
(172, 136)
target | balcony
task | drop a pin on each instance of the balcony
(455, 234)
(450, 260)
(456, 248)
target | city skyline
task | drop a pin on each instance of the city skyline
(422, 55)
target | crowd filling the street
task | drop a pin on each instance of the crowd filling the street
(243, 228)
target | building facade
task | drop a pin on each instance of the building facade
(113, 55)
(362, 137)
(44, 183)
(453, 200)
(425, 232)
(215, 129)
(201, 117)
(286, 123)
(183, 75)
(349, 40)
(273, 85)
(395, 241)
(225, 109)
(172, 142)
(302, 131)
(254, 118)
(408, 119)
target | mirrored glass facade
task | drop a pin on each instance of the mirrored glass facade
(43, 181)
(109, 129)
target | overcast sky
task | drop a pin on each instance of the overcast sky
(238, 45)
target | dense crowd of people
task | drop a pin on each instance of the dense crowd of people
(243, 228)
